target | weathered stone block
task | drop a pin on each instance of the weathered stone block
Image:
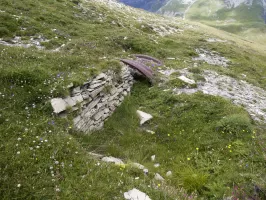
(77, 98)
(58, 105)
(76, 90)
(96, 92)
(97, 85)
(70, 101)
(98, 115)
(101, 76)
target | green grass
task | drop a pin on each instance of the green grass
(198, 137)
(43, 157)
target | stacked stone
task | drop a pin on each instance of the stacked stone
(97, 98)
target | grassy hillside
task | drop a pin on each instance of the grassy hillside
(43, 157)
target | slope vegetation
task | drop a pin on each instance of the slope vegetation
(213, 147)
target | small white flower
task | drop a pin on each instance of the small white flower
(18, 152)
(37, 147)
(56, 162)
(31, 148)
(16, 145)
(19, 185)
(57, 190)
(45, 140)
(19, 139)
(51, 167)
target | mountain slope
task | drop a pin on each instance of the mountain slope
(242, 17)
(211, 145)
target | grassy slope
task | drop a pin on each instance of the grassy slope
(44, 154)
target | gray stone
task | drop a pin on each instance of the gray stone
(125, 93)
(153, 158)
(116, 103)
(76, 120)
(113, 91)
(86, 96)
(186, 80)
(158, 177)
(70, 85)
(169, 173)
(96, 155)
(58, 105)
(105, 98)
(136, 195)
(156, 165)
(114, 160)
(144, 117)
(98, 115)
(137, 165)
(121, 98)
(97, 85)
(70, 101)
(105, 116)
(89, 113)
(96, 92)
(76, 90)
(78, 98)
(106, 110)
(93, 103)
(101, 76)
(112, 107)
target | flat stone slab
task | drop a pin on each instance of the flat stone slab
(114, 160)
(135, 194)
(186, 80)
(59, 105)
(144, 117)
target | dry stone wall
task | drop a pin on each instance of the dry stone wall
(95, 100)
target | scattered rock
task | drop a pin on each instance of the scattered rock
(186, 80)
(211, 40)
(167, 72)
(146, 171)
(114, 160)
(212, 58)
(169, 173)
(149, 131)
(96, 155)
(144, 117)
(158, 177)
(135, 194)
(137, 165)
(251, 97)
(156, 165)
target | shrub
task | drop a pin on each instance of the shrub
(193, 180)
(4, 32)
(234, 124)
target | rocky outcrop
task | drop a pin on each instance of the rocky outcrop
(95, 100)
